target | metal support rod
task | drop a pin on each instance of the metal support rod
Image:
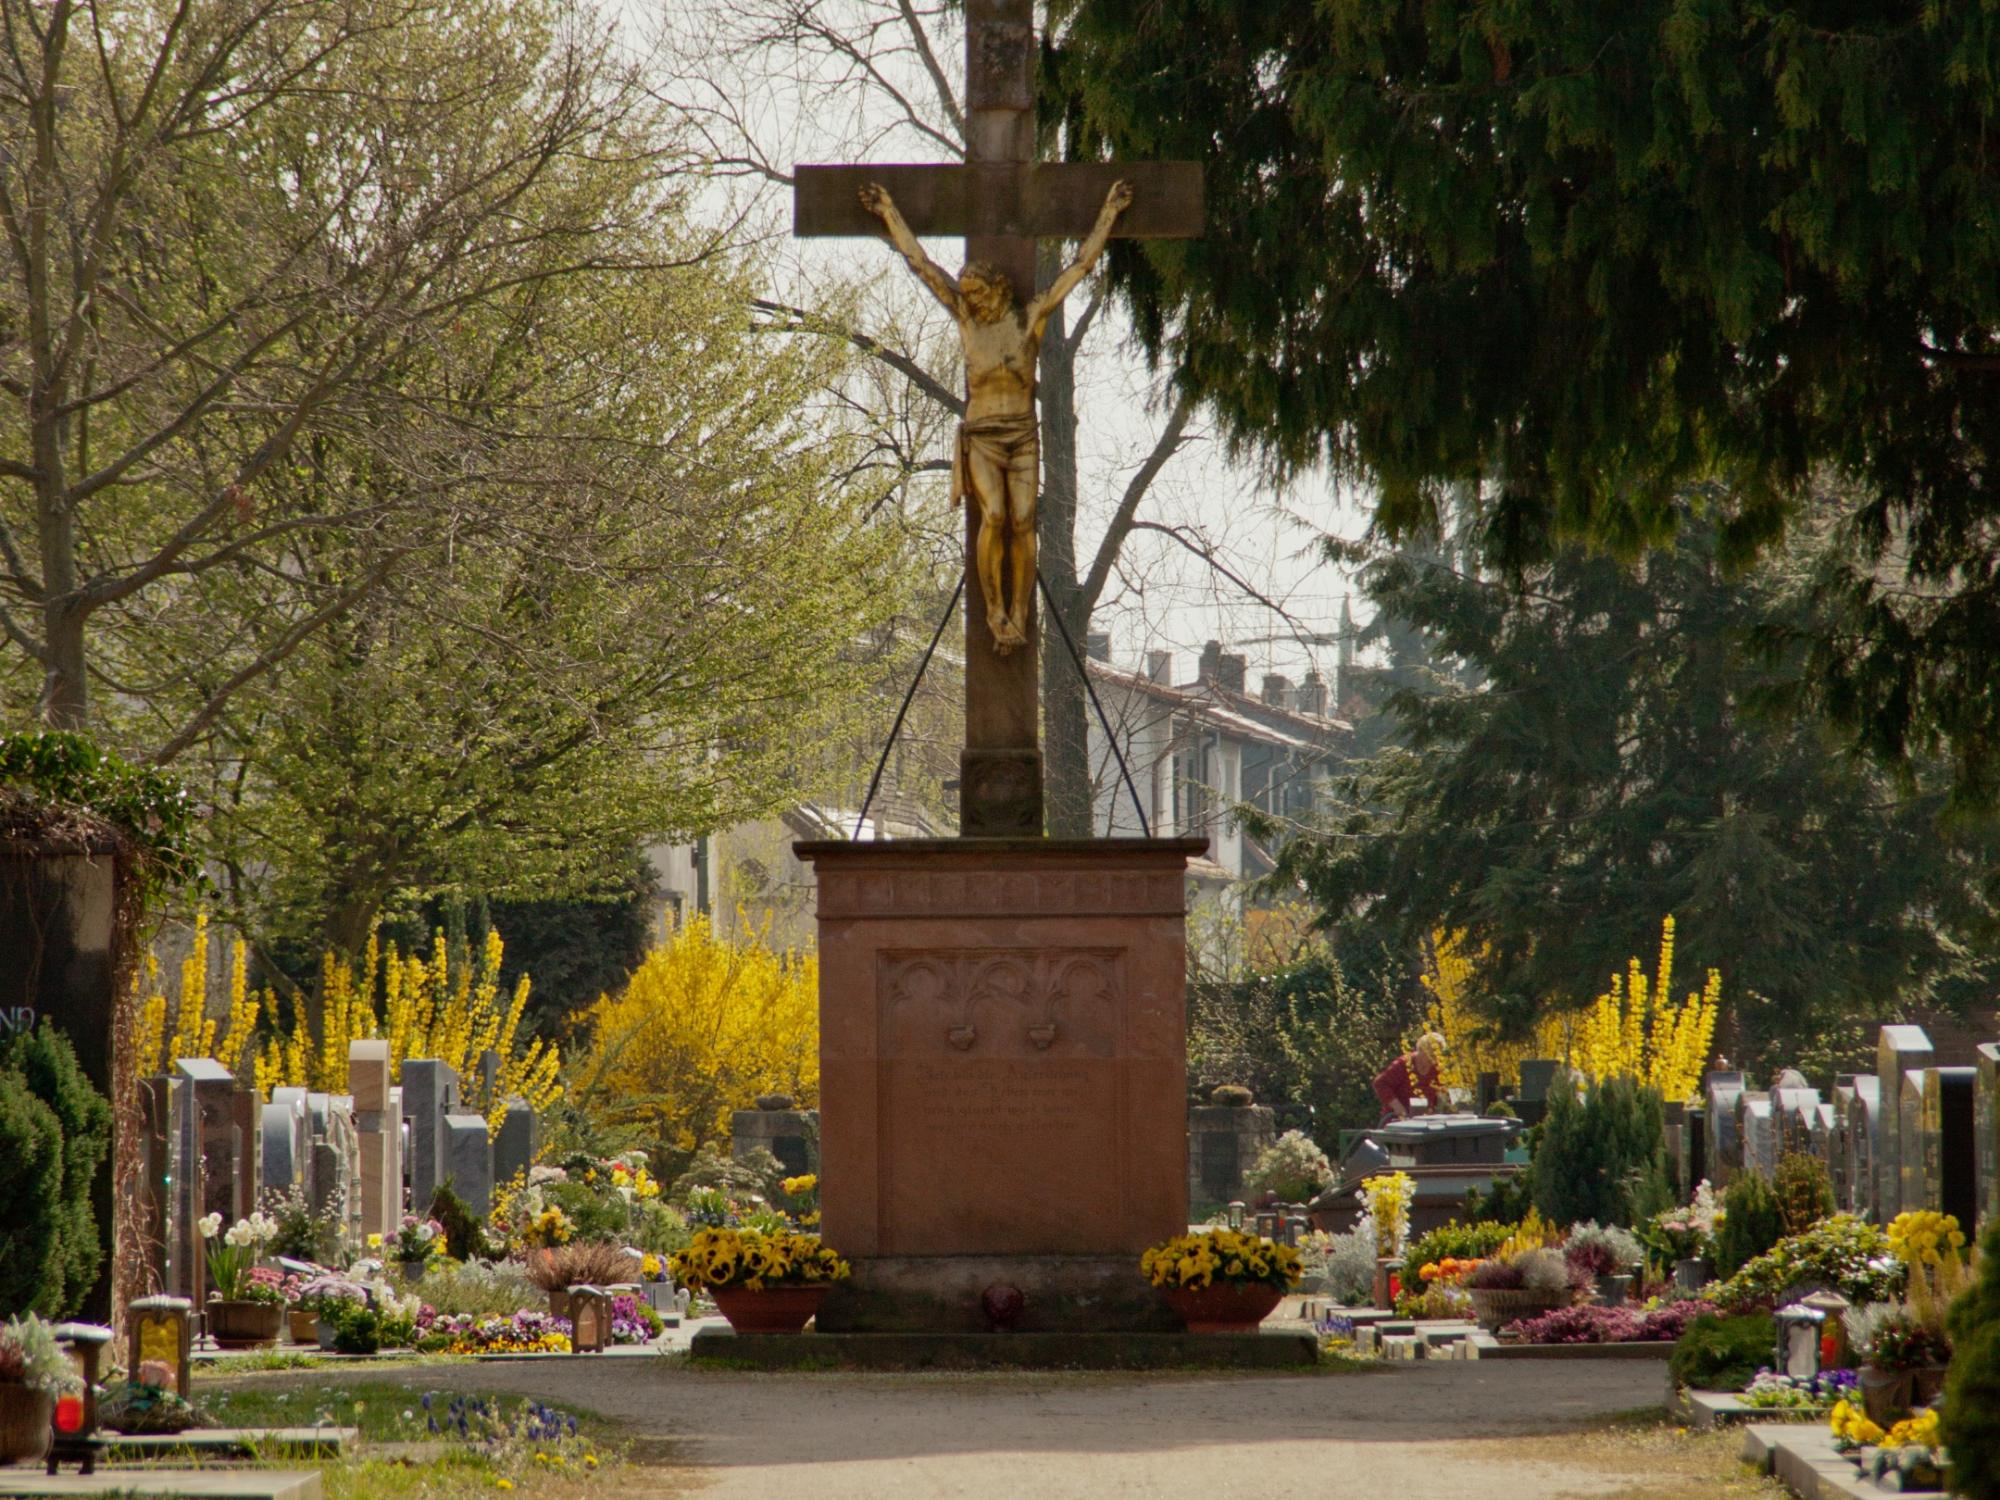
(1062, 628)
(875, 782)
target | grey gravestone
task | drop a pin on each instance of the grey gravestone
(155, 1197)
(489, 1076)
(1898, 1049)
(286, 1152)
(430, 1092)
(1722, 1092)
(1951, 1175)
(1986, 1129)
(336, 1170)
(1757, 1120)
(1224, 1142)
(514, 1148)
(1697, 1147)
(1537, 1075)
(1792, 1111)
(468, 1161)
(1858, 1106)
(1912, 1192)
(203, 1162)
(791, 1135)
(1676, 1141)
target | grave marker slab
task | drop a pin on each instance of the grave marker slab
(1951, 1174)
(519, 1138)
(1898, 1049)
(1224, 1142)
(1723, 1092)
(430, 1092)
(378, 1123)
(791, 1135)
(1912, 1191)
(287, 1145)
(1986, 1130)
(468, 1161)
(1757, 1120)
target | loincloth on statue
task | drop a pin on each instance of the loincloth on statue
(1014, 443)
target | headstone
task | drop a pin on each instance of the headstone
(519, 1138)
(1951, 1174)
(1912, 1190)
(287, 1145)
(1792, 1110)
(1898, 1049)
(335, 1182)
(791, 1135)
(204, 1158)
(468, 1161)
(1757, 1120)
(430, 1092)
(1224, 1142)
(1697, 1147)
(1676, 1141)
(154, 1191)
(246, 1143)
(378, 1122)
(1723, 1092)
(489, 1077)
(1986, 1130)
(1537, 1076)
(1857, 1107)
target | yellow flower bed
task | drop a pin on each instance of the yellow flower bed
(1194, 1261)
(750, 1259)
(1850, 1424)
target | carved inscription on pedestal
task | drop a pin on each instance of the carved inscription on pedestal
(1000, 1099)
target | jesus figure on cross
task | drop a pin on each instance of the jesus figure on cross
(998, 459)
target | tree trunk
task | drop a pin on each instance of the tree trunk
(1065, 721)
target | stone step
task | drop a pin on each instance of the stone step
(184, 1484)
(232, 1442)
(1264, 1350)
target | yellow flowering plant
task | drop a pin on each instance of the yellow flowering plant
(1389, 1196)
(1852, 1428)
(752, 1259)
(1931, 1245)
(1229, 1256)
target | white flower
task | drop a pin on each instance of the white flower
(238, 1234)
(209, 1225)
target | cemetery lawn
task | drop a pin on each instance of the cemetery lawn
(1679, 1463)
(401, 1457)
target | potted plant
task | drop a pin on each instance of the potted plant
(762, 1281)
(1898, 1350)
(1607, 1253)
(322, 1300)
(245, 1303)
(34, 1371)
(418, 1242)
(555, 1269)
(1222, 1280)
(1525, 1285)
(1684, 1240)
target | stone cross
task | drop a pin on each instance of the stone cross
(1002, 200)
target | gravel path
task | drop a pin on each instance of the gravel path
(752, 1436)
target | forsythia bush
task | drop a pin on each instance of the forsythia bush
(703, 1028)
(1634, 1030)
(424, 1008)
(170, 1030)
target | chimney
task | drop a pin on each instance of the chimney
(1312, 695)
(1160, 667)
(1211, 662)
(1277, 690)
(1233, 672)
(1097, 645)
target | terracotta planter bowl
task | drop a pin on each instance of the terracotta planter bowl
(24, 1423)
(302, 1326)
(775, 1309)
(1223, 1308)
(245, 1325)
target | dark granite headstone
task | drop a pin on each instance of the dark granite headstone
(1951, 1173)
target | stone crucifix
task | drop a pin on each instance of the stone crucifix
(1002, 200)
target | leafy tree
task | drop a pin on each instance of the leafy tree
(1602, 1154)
(1584, 255)
(1617, 762)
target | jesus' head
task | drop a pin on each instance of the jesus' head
(986, 290)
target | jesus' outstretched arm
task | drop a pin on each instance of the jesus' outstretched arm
(1115, 203)
(875, 198)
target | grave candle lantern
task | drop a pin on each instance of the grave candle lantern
(589, 1319)
(1832, 1307)
(1798, 1351)
(162, 1332)
(75, 1421)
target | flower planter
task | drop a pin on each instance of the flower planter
(1494, 1308)
(1613, 1291)
(1224, 1308)
(1885, 1394)
(1927, 1384)
(245, 1325)
(1693, 1274)
(303, 1326)
(24, 1423)
(775, 1309)
(413, 1270)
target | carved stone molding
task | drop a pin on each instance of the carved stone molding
(1005, 1002)
(954, 893)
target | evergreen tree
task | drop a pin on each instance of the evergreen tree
(55, 1131)
(1586, 254)
(1601, 1154)
(1619, 762)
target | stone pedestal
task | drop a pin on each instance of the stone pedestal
(1003, 1077)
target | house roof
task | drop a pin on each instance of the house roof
(1224, 708)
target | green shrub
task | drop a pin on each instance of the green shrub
(1971, 1419)
(1846, 1254)
(464, 1234)
(55, 1131)
(1506, 1202)
(1455, 1241)
(1602, 1154)
(1722, 1353)
(1293, 1167)
(1752, 1223)
(1804, 1191)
